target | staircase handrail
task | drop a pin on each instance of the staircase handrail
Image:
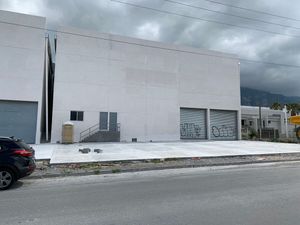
(88, 131)
(92, 130)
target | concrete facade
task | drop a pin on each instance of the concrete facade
(22, 48)
(145, 82)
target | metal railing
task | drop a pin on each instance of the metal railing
(96, 128)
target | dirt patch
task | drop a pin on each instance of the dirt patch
(45, 169)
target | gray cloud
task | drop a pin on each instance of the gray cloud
(111, 17)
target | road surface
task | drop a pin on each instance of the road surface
(268, 194)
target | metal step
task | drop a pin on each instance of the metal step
(103, 136)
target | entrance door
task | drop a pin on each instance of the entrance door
(108, 123)
(113, 125)
(103, 120)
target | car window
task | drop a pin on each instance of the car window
(3, 147)
(6, 145)
(23, 144)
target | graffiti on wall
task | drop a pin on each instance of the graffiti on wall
(223, 131)
(190, 130)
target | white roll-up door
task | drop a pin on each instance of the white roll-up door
(223, 125)
(193, 123)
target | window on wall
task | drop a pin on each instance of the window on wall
(76, 116)
(243, 122)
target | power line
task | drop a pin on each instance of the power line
(252, 10)
(109, 39)
(229, 14)
(269, 63)
(206, 20)
(183, 51)
(150, 46)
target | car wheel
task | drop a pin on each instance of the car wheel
(7, 178)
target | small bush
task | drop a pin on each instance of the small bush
(116, 170)
(97, 172)
(252, 134)
(155, 160)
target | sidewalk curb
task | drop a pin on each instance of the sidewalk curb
(110, 171)
(179, 158)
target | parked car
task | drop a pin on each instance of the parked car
(16, 161)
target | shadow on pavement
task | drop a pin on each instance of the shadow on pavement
(17, 185)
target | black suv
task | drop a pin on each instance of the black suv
(16, 161)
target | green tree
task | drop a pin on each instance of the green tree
(293, 108)
(276, 106)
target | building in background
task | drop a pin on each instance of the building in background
(273, 121)
(24, 70)
(117, 88)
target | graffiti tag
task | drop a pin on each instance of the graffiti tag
(190, 130)
(223, 131)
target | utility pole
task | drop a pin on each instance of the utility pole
(260, 122)
(286, 121)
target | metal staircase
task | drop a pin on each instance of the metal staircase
(95, 134)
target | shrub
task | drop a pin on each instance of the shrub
(252, 134)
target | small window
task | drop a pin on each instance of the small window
(73, 115)
(269, 122)
(243, 123)
(250, 123)
(80, 116)
(76, 115)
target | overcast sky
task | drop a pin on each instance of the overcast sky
(118, 18)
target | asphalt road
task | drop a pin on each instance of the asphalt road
(234, 196)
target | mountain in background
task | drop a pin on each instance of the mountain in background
(253, 97)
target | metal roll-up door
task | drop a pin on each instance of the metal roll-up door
(18, 119)
(192, 123)
(223, 125)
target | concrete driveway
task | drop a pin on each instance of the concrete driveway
(59, 153)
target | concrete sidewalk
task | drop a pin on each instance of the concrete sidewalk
(59, 153)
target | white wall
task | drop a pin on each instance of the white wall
(145, 82)
(22, 59)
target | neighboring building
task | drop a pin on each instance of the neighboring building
(23, 50)
(270, 120)
(109, 85)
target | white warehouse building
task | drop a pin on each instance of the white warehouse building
(112, 88)
(23, 51)
(116, 88)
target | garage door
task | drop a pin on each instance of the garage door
(223, 125)
(18, 119)
(192, 123)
